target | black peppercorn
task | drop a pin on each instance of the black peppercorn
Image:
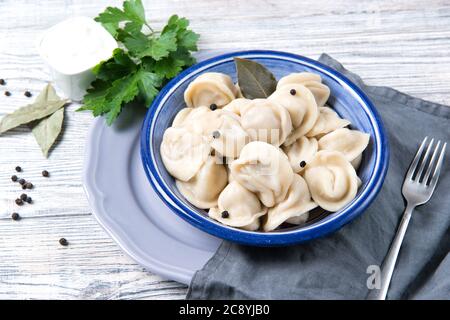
(14, 178)
(27, 94)
(29, 185)
(15, 216)
(19, 202)
(63, 242)
(216, 134)
(225, 214)
(24, 186)
(7, 93)
(29, 200)
(45, 173)
(302, 164)
(22, 181)
(23, 196)
(2, 82)
(18, 169)
(213, 106)
(293, 92)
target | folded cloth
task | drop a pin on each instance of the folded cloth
(338, 266)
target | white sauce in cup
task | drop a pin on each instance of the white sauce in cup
(71, 49)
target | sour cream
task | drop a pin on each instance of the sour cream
(71, 49)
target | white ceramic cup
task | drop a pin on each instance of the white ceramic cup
(74, 81)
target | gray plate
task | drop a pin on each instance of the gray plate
(125, 204)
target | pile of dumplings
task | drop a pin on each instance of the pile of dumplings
(262, 163)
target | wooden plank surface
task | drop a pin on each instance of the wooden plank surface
(404, 44)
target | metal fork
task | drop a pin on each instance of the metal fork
(417, 189)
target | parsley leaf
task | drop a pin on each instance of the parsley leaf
(143, 63)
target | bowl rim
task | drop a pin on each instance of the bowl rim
(320, 228)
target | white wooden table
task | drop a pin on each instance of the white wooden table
(404, 44)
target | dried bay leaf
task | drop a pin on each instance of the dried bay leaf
(46, 131)
(45, 104)
(254, 79)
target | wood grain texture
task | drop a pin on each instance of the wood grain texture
(404, 44)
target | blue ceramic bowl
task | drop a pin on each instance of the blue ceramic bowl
(346, 98)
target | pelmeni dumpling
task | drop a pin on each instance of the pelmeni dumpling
(267, 121)
(223, 130)
(242, 206)
(303, 149)
(229, 137)
(265, 170)
(210, 88)
(331, 179)
(183, 152)
(301, 106)
(297, 204)
(310, 80)
(204, 188)
(327, 121)
(236, 105)
(186, 115)
(349, 142)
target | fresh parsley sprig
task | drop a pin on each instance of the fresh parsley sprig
(145, 60)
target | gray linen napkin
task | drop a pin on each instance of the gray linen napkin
(335, 267)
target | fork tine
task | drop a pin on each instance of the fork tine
(414, 163)
(431, 165)
(424, 160)
(437, 171)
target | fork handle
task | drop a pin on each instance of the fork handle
(387, 268)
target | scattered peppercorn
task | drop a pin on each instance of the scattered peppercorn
(18, 169)
(22, 181)
(293, 92)
(29, 185)
(24, 186)
(19, 202)
(225, 214)
(2, 82)
(14, 178)
(63, 242)
(45, 173)
(15, 216)
(7, 93)
(302, 164)
(23, 196)
(29, 200)
(216, 134)
(27, 94)
(213, 106)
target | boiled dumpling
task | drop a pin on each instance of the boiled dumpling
(210, 88)
(300, 152)
(185, 116)
(299, 77)
(297, 204)
(327, 121)
(349, 142)
(204, 188)
(236, 105)
(300, 104)
(229, 137)
(265, 170)
(223, 130)
(183, 152)
(302, 108)
(267, 121)
(331, 179)
(310, 80)
(242, 207)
